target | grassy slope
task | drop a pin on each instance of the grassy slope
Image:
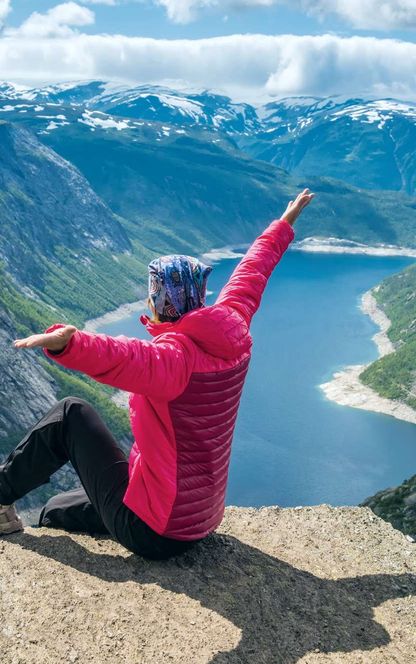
(394, 376)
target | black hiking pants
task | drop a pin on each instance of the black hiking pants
(73, 431)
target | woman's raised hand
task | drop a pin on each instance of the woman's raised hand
(295, 207)
(54, 341)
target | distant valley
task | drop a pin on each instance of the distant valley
(96, 178)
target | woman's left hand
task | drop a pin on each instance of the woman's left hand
(54, 341)
(295, 207)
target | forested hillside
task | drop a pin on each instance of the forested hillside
(394, 376)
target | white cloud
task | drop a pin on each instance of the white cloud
(184, 11)
(245, 66)
(5, 8)
(376, 14)
(101, 2)
(56, 22)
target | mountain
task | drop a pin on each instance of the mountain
(196, 191)
(154, 103)
(64, 256)
(170, 176)
(365, 142)
(59, 241)
(368, 143)
(94, 180)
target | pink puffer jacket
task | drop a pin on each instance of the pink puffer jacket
(185, 389)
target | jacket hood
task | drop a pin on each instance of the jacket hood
(218, 330)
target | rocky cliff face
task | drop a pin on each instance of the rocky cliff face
(27, 391)
(47, 210)
(315, 585)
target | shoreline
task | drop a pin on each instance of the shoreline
(346, 388)
(115, 315)
(224, 253)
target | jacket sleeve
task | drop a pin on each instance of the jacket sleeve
(159, 370)
(248, 281)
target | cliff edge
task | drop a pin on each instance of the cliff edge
(307, 585)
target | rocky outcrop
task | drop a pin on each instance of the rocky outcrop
(275, 586)
(397, 505)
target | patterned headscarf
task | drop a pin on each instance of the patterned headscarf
(177, 284)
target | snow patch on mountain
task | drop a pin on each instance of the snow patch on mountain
(378, 111)
(185, 106)
(95, 119)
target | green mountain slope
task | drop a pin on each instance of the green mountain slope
(188, 187)
(189, 193)
(394, 376)
(59, 240)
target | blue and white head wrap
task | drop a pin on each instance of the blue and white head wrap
(177, 284)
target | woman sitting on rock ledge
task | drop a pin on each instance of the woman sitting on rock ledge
(185, 387)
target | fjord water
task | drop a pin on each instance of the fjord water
(292, 446)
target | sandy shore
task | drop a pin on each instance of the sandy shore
(223, 253)
(113, 316)
(318, 245)
(334, 245)
(346, 388)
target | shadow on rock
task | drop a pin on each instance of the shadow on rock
(283, 612)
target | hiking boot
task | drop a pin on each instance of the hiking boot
(10, 521)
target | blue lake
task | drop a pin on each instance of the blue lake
(292, 446)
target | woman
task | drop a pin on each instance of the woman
(185, 390)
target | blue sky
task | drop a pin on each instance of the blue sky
(249, 49)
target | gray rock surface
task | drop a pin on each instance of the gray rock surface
(397, 505)
(27, 391)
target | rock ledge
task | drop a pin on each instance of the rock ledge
(305, 585)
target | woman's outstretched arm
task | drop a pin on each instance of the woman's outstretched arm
(159, 370)
(248, 281)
